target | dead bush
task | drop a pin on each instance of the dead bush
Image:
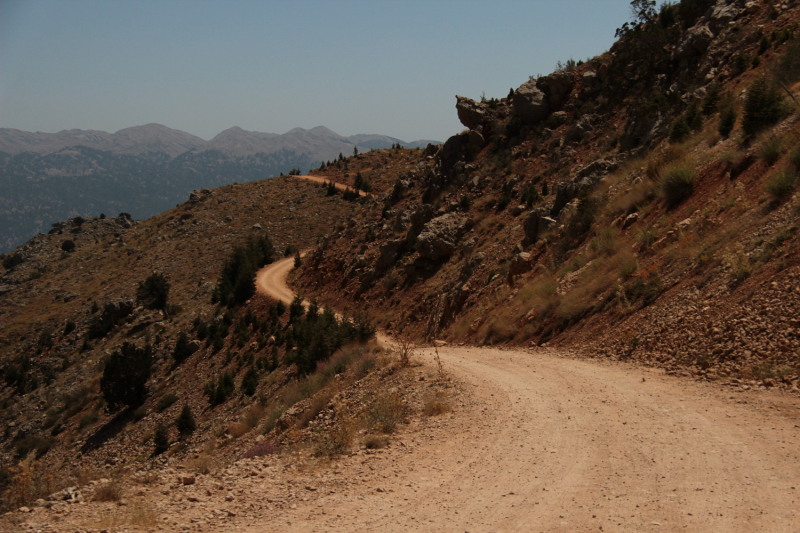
(237, 429)
(436, 404)
(386, 411)
(253, 415)
(403, 344)
(266, 447)
(200, 464)
(108, 492)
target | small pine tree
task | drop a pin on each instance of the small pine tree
(181, 351)
(727, 120)
(161, 439)
(763, 106)
(250, 382)
(185, 421)
(296, 310)
(680, 130)
(298, 261)
(125, 376)
(711, 101)
(545, 190)
(153, 292)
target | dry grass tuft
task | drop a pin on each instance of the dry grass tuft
(108, 492)
(338, 439)
(386, 411)
(237, 429)
(436, 404)
(376, 442)
(200, 464)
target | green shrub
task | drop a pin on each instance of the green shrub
(727, 120)
(166, 401)
(741, 60)
(770, 149)
(788, 68)
(12, 260)
(503, 202)
(763, 106)
(236, 283)
(250, 382)
(680, 130)
(68, 245)
(125, 376)
(153, 292)
(465, 202)
(530, 195)
(218, 392)
(677, 184)
(781, 185)
(69, 327)
(185, 421)
(712, 100)
(161, 439)
(181, 350)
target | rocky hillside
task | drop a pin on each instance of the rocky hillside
(641, 205)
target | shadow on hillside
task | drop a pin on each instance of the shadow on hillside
(109, 430)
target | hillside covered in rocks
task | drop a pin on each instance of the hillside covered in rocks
(640, 204)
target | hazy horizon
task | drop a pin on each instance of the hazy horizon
(203, 67)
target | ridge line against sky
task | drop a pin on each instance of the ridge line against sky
(391, 68)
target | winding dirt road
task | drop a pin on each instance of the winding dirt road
(549, 442)
(340, 186)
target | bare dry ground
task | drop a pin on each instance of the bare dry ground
(557, 443)
(539, 440)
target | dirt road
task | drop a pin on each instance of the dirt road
(340, 186)
(554, 443)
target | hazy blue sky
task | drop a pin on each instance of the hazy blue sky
(390, 67)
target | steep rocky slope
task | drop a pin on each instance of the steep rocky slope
(601, 206)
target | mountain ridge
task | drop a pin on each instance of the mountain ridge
(320, 142)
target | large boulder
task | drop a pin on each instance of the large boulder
(389, 252)
(530, 103)
(439, 237)
(471, 113)
(695, 42)
(520, 264)
(535, 223)
(557, 87)
(565, 192)
(597, 169)
(455, 149)
(117, 310)
(722, 14)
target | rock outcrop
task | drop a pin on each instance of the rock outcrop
(530, 103)
(439, 237)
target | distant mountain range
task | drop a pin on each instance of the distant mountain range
(144, 170)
